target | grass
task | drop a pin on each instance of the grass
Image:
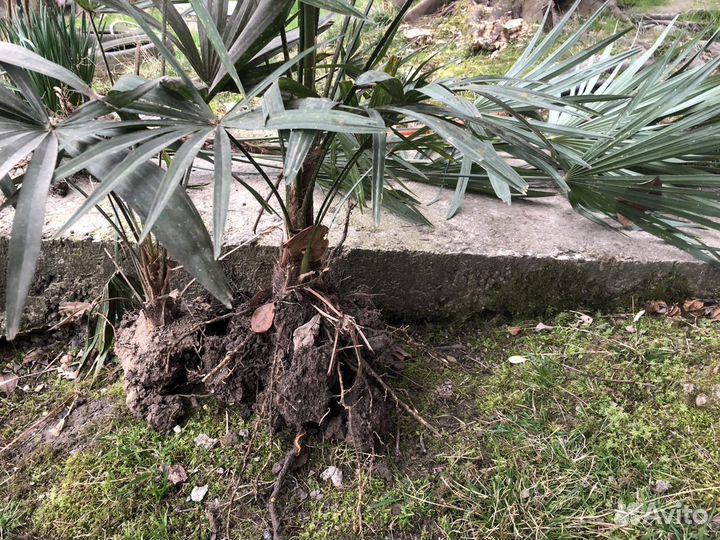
(548, 448)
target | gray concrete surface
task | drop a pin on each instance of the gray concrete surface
(530, 258)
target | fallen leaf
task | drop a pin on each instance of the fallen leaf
(714, 313)
(639, 315)
(177, 474)
(656, 307)
(304, 336)
(34, 356)
(198, 493)
(517, 359)
(694, 307)
(586, 320)
(674, 311)
(203, 441)
(630, 329)
(262, 319)
(542, 327)
(8, 383)
(55, 431)
(333, 474)
(626, 222)
(514, 330)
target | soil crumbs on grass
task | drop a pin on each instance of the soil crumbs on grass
(588, 419)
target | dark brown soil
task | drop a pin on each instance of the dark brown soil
(277, 374)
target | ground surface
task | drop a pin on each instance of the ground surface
(592, 416)
(599, 427)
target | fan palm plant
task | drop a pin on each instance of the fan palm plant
(618, 137)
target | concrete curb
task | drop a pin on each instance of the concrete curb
(529, 259)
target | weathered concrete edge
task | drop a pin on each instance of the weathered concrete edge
(410, 285)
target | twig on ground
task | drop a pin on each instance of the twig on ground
(290, 459)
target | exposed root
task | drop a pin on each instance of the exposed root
(291, 459)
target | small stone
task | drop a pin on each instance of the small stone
(525, 494)
(445, 390)
(513, 26)
(177, 429)
(701, 400)
(177, 474)
(203, 441)
(316, 495)
(660, 487)
(333, 474)
(229, 440)
(198, 493)
(267, 535)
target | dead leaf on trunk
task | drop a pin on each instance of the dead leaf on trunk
(262, 319)
(294, 249)
(656, 307)
(8, 383)
(514, 330)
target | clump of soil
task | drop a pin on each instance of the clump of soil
(154, 361)
(286, 372)
(316, 368)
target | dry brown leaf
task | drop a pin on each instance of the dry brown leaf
(627, 223)
(514, 330)
(262, 319)
(714, 313)
(304, 336)
(34, 356)
(694, 307)
(8, 383)
(674, 311)
(294, 249)
(630, 329)
(656, 307)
